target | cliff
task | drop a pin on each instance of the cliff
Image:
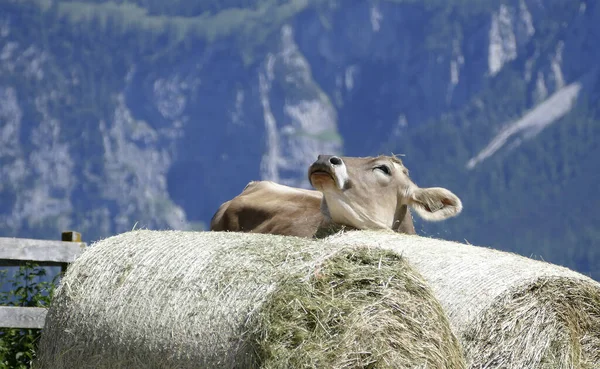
(115, 115)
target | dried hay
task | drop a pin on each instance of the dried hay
(149, 299)
(346, 316)
(551, 323)
(508, 311)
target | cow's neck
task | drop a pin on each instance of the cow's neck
(328, 226)
(403, 222)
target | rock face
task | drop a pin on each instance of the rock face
(115, 116)
(110, 143)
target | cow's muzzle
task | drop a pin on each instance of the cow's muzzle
(331, 166)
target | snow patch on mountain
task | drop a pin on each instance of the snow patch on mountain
(533, 122)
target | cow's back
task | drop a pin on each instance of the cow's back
(268, 207)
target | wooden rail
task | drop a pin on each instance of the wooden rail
(19, 251)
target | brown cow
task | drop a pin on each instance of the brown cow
(269, 207)
(357, 193)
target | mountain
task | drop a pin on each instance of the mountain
(145, 113)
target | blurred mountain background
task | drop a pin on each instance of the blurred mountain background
(151, 113)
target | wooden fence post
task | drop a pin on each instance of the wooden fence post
(69, 236)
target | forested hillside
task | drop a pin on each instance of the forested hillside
(148, 113)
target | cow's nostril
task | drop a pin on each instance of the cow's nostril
(335, 160)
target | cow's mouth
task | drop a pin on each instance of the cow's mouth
(319, 173)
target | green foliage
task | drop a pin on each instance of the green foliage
(535, 199)
(183, 7)
(248, 23)
(17, 346)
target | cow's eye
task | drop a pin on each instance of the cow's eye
(384, 168)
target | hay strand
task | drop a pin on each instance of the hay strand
(148, 299)
(508, 311)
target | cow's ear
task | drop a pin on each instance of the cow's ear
(435, 203)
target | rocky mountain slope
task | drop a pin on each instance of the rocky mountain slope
(125, 114)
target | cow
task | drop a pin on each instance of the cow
(352, 193)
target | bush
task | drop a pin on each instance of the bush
(17, 346)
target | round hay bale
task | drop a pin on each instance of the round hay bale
(150, 299)
(508, 311)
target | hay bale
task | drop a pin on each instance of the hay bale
(149, 299)
(508, 311)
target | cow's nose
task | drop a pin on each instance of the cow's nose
(329, 160)
(334, 160)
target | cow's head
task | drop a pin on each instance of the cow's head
(368, 193)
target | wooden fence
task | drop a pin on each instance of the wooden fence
(19, 251)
